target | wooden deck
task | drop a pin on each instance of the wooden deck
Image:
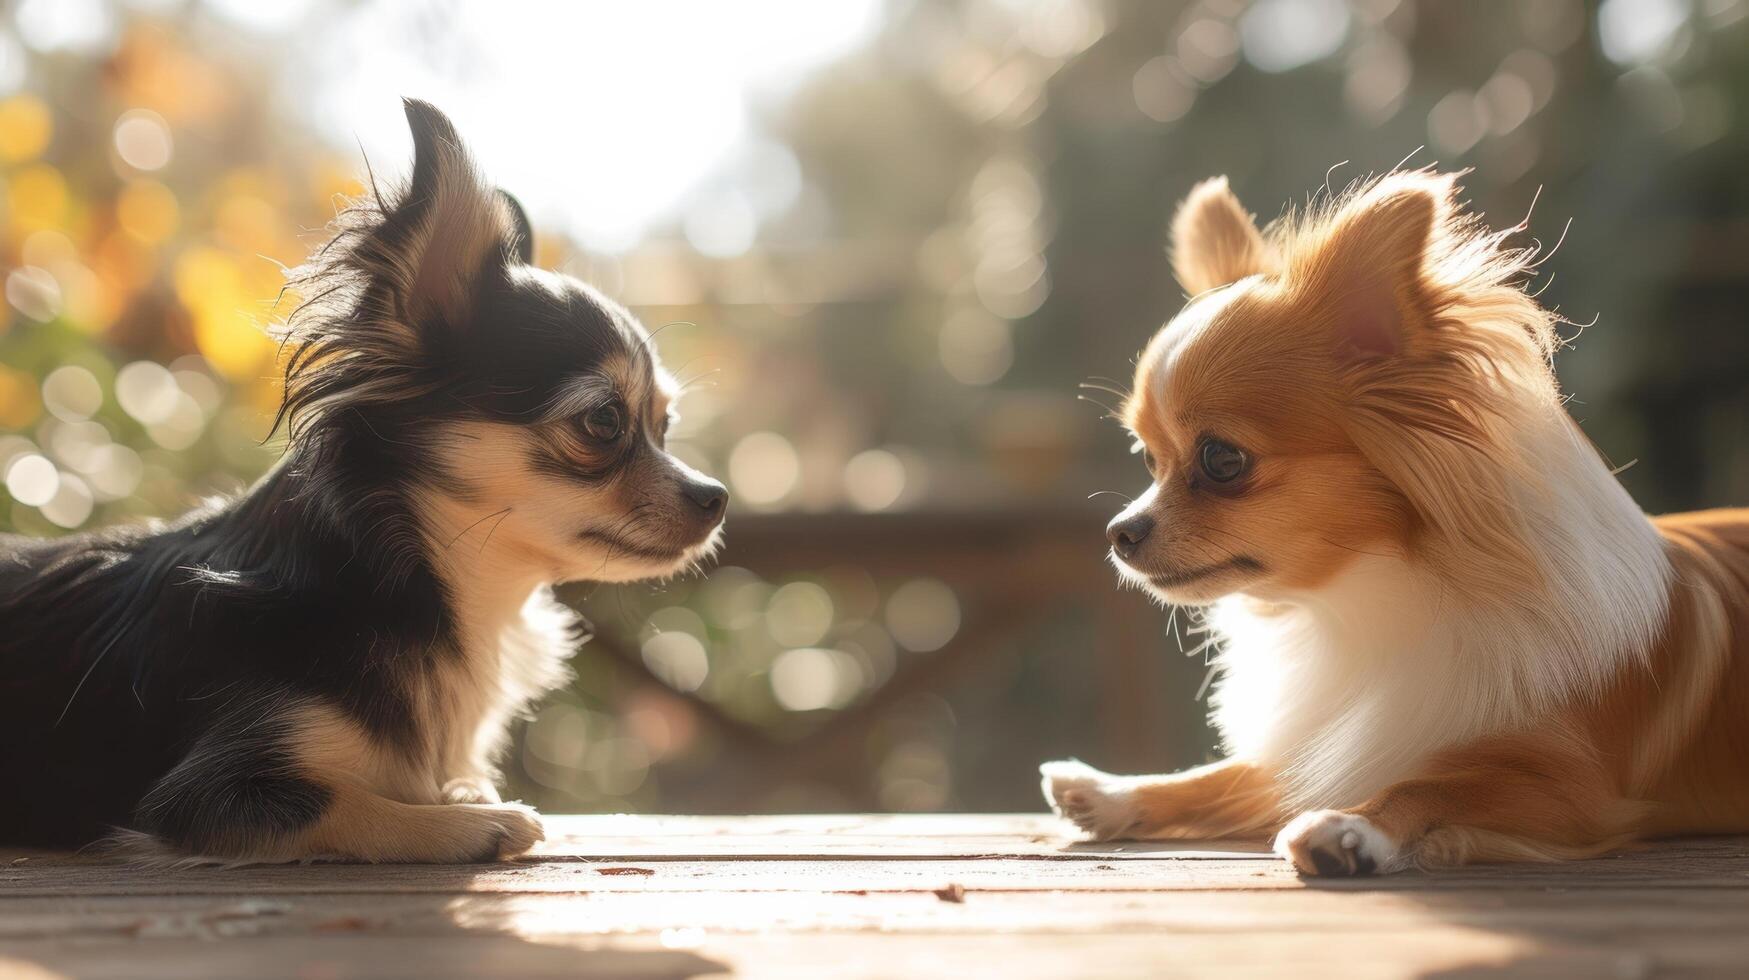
(853, 896)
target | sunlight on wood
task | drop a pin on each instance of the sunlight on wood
(871, 896)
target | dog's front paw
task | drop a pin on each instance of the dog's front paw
(503, 830)
(1098, 802)
(1334, 843)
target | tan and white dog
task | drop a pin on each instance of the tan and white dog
(1446, 633)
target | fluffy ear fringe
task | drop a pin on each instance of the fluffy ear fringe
(1215, 241)
(437, 239)
(1434, 405)
(522, 233)
(1369, 263)
(402, 267)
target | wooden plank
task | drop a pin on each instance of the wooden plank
(343, 957)
(1610, 932)
(622, 836)
(1647, 871)
(856, 835)
(1383, 955)
(851, 835)
(1262, 954)
(645, 874)
(858, 896)
(1604, 915)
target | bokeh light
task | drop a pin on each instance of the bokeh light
(146, 391)
(923, 615)
(32, 480)
(976, 348)
(1281, 35)
(799, 614)
(874, 479)
(678, 659)
(809, 679)
(764, 469)
(142, 139)
(71, 504)
(26, 125)
(72, 393)
(34, 293)
(1634, 31)
(883, 244)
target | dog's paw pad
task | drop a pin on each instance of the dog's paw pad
(1331, 843)
(1099, 803)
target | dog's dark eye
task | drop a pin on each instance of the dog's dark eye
(605, 422)
(1148, 460)
(1223, 462)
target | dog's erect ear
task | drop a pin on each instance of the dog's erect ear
(1368, 268)
(443, 234)
(1215, 241)
(523, 237)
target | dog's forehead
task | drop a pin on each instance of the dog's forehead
(1192, 328)
(1239, 363)
(613, 352)
(1154, 405)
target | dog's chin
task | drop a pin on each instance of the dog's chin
(626, 559)
(1188, 595)
(1198, 587)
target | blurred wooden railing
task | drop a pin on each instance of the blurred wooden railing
(1012, 570)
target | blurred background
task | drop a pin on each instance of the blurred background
(891, 238)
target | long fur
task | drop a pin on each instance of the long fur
(1443, 560)
(327, 665)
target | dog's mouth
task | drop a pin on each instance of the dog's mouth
(1172, 580)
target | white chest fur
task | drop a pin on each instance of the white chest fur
(510, 655)
(1346, 688)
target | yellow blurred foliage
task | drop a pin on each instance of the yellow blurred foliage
(48, 248)
(87, 305)
(152, 70)
(234, 343)
(331, 180)
(206, 276)
(253, 182)
(218, 290)
(250, 224)
(123, 263)
(20, 402)
(25, 128)
(147, 210)
(38, 196)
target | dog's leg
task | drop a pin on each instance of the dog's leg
(1535, 797)
(343, 822)
(468, 771)
(363, 826)
(283, 779)
(1231, 798)
(237, 795)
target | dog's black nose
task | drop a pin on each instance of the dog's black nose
(710, 496)
(1128, 533)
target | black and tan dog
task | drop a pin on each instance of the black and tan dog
(326, 666)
